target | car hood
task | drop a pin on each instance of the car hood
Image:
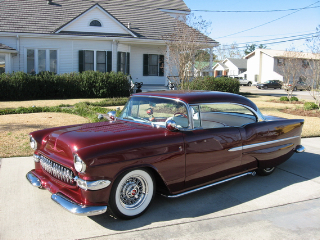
(67, 141)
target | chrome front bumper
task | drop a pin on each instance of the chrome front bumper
(67, 203)
(77, 209)
(300, 149)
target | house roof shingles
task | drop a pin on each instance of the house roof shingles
(37, 16)
(239, 63)
(5, 47)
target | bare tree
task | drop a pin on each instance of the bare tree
(291, 66)
(313, 74)
(184, 43)
(228, 51)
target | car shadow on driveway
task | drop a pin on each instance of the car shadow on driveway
(296, 180)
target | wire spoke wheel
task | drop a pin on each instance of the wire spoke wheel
(131, 194)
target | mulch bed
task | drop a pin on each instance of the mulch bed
(302, 112)
(286, 102)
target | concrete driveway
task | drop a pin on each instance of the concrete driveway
(285, 205)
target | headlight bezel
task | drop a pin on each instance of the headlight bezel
(33, 143)
(79, 164)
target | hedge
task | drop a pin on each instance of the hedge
(89, 84)
(222, 84)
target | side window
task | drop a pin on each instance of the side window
(225, 115)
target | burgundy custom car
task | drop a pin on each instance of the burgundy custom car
(170, 142)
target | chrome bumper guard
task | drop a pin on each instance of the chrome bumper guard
(300, 149)
(77, 209)
(33, 180)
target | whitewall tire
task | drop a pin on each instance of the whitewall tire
(132, 193)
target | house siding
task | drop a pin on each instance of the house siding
(108, 24)
(136, 66)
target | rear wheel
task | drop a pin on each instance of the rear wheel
(249, 84)
(131, 194)
(295, 89)
(265, 171)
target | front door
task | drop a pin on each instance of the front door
(207, 155)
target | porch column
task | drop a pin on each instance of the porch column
(211, 62)
(115, 55)
(166, 66)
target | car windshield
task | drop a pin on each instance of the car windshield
(267, 82)
(155, 111)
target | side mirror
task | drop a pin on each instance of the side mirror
(112, 115)
(171, 125)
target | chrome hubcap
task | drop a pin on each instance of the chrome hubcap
(133, 192)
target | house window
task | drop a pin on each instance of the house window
(219, 73)
(2, 63)
(153, 65)
(39, 60)
(123, 62)
(305, 63)
(95, 23)
(280, 61)
(95, 61)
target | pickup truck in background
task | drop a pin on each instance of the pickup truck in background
(244, 82)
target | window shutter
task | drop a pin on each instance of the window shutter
(109, 61)
(145, 64)
(128, 64)
(81, 60)
(119, 62)
(161, 65)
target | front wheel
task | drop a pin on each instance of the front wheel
(265, 87)
(265, 171)
(249, 84)
(295, 89)
(131, 194)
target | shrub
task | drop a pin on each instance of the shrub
(47, 85)
(310, 106)
(222, 84)
(284, 99)
(293, 99)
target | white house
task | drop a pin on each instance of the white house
(231, 67)
(75, 35)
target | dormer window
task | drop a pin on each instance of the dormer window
(95, 23)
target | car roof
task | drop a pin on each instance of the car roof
(194, 97)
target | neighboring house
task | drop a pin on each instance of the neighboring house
(75, 35)
(231, 67)
(266, 64)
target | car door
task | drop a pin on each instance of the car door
(207, 155)
(208, 158)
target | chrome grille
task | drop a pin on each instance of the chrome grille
(56, 170)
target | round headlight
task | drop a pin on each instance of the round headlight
(33, 143)
(79, 165)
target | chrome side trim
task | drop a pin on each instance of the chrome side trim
(77, 209)
(300, 149)
(260, 144)
(210, 185)
(33, 180)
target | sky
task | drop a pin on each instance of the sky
(225, 26)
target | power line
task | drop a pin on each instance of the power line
(255, 11)
(269, 21)
(271, 43)
(272, 35)
(300, 35)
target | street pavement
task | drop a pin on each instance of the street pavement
(284, 205)
(301, 95)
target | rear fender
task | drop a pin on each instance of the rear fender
(271, 143)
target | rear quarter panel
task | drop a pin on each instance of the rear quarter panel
(270, 143)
